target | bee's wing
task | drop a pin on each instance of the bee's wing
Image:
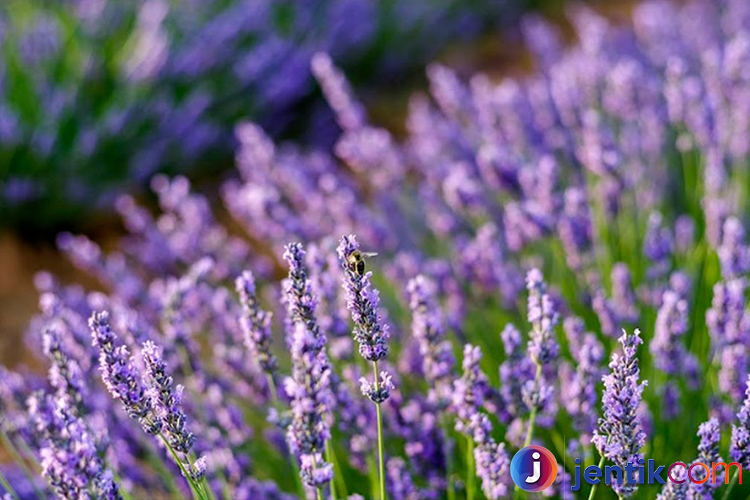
(369, 254)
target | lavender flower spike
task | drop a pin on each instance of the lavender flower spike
(255, 323)
(167, 399)
(620, 435)
(427, 327)
(543, 316)
(362, 302)
(120, 376)
(308, 389)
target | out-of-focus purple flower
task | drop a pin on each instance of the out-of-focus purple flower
(349, 111)
(620, 435)
(670, 354)
(734, 254)
(492, 463)
(256, 323)
(657, 247)
(69, 456)
(543, 316)
(427, 328)
(308, 388)
(578, 388)
(515, 372)
(574, 228)
(65, 374)
(470, 390)
(623, 298)
(684, 233)
(400, 484)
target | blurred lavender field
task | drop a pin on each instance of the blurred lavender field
(561, 260)
(98, 95)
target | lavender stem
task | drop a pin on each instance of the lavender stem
(593, 486)
(471, 475)
(731, 485)
(381, 461)
(4, 482)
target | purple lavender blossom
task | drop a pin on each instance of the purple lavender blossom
(492, 462)
(578, 391)
(363, 302)
(256, 323)
(543, 316)
(708, 453)
(69, 455)
(620, 435)
(515, 372)
(427, 328)
(308, 388)
(166, 399)
(120, 375)
(470, 391)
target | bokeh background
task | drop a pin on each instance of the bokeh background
(96, 96)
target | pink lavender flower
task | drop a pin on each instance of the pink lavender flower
(620, 435)
(256, 323)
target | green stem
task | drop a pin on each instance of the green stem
(4, 482)
(593, 486)
(193, 487)
(381, 461)
(731, 485)
(471, 475)
(16, 456)
(332, 460)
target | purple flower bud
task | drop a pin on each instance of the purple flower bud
(739, 447)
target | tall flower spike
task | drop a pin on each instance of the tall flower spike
(708, 453)
(308, 389)
(120, 376)
(167, 399)
(620, 434)
(310, 384)
(543, 316)
(427, 328)
(256, 323)
(363, 302)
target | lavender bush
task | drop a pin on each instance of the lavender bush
(526, 231)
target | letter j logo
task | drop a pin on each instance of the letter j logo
(533, 468)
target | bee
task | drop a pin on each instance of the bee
(356, 261)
